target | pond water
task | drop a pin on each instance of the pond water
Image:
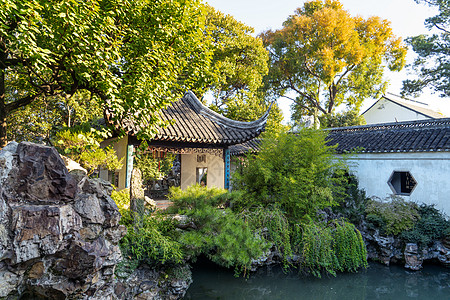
(377, 282)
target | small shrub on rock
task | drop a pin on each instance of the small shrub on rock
(122, 199)
(431, 226)
(393, 216)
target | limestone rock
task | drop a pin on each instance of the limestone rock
(72, 166)
(8, 282)
(413, 260)
(58, 236)
(6, 158)
(146, 283)
(387, 249)
(39, 176)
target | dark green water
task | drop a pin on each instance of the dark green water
(377, 282)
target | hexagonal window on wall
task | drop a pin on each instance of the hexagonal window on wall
(402, 183)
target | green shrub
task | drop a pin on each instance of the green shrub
(271, 224)
(122, 199)
(317, 254)
(153, 242)
(375, 222)
(431, 226)
(220, 234)
(297, 171)
(332, 247)
(348, 246)
(197, 196)
(353, 204)
(397, 215)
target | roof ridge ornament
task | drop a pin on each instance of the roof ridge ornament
(218, 118)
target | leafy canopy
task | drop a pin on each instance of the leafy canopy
(326, 57)
(432, 65)
(132, 54)
(84, 148)
(234, 76)
(43, 118)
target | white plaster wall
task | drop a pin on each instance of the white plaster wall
(120, 146)
(385, 111)
(430, 170)
(215, 165)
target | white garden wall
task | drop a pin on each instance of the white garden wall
(431, 170)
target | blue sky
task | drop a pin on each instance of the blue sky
(406, 17)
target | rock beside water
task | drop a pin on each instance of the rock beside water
(60, 233)
(389, 249)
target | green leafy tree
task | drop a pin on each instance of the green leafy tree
(432, 64)
(131, 54)
(234, 76)
(40, 120)
(326, 57)
(239, 60)
(350, 117)
(84, 148)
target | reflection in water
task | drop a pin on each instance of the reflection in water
(377, 282)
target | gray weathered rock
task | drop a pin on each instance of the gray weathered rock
(58, 236)
(413, 260)
(146, 283)
(389, 249)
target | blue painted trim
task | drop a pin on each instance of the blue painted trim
(227, 168)
(129, 165)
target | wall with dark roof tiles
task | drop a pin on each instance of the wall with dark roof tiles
(414, 136)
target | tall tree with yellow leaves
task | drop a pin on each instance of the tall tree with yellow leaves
(327, 58)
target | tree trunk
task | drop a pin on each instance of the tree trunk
(3, 112)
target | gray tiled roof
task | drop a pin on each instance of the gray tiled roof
(195, 123)
(251, 146)
(411, 136)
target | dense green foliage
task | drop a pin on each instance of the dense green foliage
(152, 166)
(337, 246)
(135, 56)
(431, 226)
(84, 148)
(325, 57)
(353, 205)
(220, 234)
(154, 242)
(347, 118)
(432, 63)
(122, 199)
(296, 171)
(271, 224)
(393, 215)
(39, 121)
(292, 178)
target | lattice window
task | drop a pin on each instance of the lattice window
(402, 183)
